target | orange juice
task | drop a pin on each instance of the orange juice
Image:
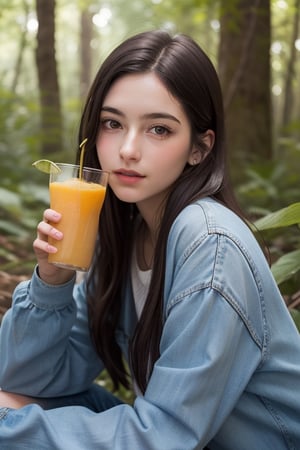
(80, 203)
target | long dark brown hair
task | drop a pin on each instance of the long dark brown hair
(188, 74)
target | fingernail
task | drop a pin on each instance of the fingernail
(51, 249)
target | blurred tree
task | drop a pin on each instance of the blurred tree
(21, 48)
(51, 115)
(290, 72)
(244, 67)
(86, 35)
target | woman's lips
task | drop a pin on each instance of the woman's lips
(128, 176)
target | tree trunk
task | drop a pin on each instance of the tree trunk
(21, 49)
(51, 116)
(86, 34)
(244, 68)
(290, 72)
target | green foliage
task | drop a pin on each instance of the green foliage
(289, 264)
(126, 395)
(23, 191)
(296, 316)
(265, 193)
(286, 269)
(286, 266)
(271, 185)
(18, 135)
(282, 218)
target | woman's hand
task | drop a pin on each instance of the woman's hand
(49, 272)
(16, 401)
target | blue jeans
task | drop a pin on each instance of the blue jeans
(96, 398)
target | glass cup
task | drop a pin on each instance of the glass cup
(79, 201)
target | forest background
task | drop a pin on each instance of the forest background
(50, 51)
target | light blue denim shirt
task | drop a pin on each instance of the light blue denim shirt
(228, 376)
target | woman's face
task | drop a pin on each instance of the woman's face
(144, 140)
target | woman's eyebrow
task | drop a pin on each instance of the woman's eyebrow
(161, 115)
(153, 115)
(112, 110)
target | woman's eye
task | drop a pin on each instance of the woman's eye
(160, 130)
(110, 124)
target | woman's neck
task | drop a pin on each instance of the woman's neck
(145, 246)
(151, 213)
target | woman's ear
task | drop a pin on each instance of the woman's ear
(209, 139)
(199, 152)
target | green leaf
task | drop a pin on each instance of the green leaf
(295, 313)
(286, 266)
(11, 229)
(9, 198)
(281, 218)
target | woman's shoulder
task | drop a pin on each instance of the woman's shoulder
(208, 216)
(203, 221)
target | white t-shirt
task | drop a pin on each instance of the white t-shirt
(140, 284)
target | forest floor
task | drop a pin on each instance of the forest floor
(14, 268)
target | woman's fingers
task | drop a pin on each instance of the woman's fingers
(51, 216)
(47, 229)
(41, 245)
(50, 273)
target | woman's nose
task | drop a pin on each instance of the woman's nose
(130, 148)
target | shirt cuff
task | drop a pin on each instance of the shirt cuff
(47, 296)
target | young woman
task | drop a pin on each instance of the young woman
(179, 291)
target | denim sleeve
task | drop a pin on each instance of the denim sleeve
(45, 345)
